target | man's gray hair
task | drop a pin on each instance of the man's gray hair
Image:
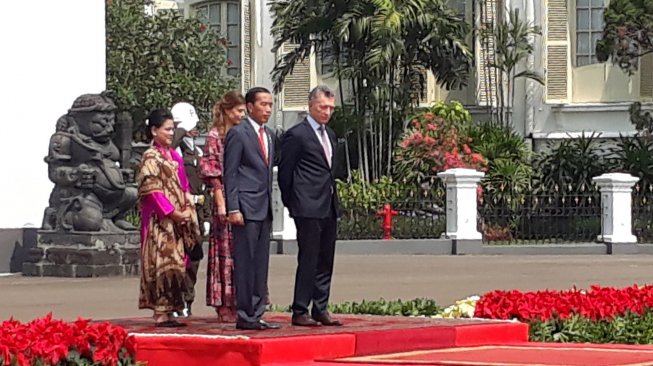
(320, 90)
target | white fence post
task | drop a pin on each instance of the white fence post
(616, 211)
(461, 185)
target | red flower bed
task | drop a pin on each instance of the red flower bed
(595, 304)
(47, 341)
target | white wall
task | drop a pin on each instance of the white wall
(51, 52)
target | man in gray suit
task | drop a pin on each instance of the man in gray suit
(248, 160)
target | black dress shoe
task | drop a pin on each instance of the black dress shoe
(269, 325)
(326, 319)
(250, 326)
(303, 320)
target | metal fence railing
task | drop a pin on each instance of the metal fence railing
(559, 215)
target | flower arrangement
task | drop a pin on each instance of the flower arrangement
(597, 303)
(464, 308)
(437, 139)
(47, 341)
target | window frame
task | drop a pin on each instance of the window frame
(587, 33)
(234, 69)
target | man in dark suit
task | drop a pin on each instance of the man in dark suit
(248, 161)
(308, 189)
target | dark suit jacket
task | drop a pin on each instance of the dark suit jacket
(308, 185)
(247, 178)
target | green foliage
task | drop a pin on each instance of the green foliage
(572, 162)
(511, 40)
(509, 170)
(643, 121)
(438, 139)
(635, 156)
(627, 329)
(453, 112)
(415, 307)
(627, 34)
(374, 36)
(155, 61)
(382, 51)
(356, 193)
(345, 120)
(420, 208)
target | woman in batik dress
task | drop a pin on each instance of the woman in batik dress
(220, 291)
(165, 206)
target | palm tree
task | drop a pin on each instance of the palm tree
(512, 46)
(383, 48)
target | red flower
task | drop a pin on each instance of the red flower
(48, 341)
(595, 304)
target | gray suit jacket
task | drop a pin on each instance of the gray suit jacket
(247, 178)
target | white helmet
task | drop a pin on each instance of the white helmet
(185, 116)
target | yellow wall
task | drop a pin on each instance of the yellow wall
(601, 82)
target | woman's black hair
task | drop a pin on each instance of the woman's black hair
(156, 119)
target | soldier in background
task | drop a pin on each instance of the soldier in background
(185, 118)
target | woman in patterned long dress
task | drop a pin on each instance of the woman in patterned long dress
(165, 207)
(220, 291)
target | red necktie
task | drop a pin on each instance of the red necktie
(261, 141)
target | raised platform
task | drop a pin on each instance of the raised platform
(207, 342)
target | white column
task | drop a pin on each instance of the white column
(283, 226)
(461, 187)
(616, 207)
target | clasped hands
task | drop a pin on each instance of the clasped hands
(182, 216)
(185, 215)
(234, 218)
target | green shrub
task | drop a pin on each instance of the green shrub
(415, 307)
(627, 329)
(437, 139)
(420, 208)
(155, 61)
(572, 162)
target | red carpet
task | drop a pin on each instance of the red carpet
(514, 355)
(206, 342)
(367, 341)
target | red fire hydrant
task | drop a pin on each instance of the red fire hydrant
(387, 213)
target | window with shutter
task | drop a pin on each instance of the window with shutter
(247, 47)
(487, 77)
(589, 30)
(420, 86)
(557, 51)
(646, 77)
(225, 18)
(294, 95)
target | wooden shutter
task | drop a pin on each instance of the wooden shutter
(487, 77)
(557, 52)
(294, 95)
(246, 47)
(646, 77)
(419, 85)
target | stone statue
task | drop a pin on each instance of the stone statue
(91, 192)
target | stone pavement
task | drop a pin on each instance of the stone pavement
(357, 277)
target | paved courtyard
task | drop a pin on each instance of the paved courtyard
(357, 277)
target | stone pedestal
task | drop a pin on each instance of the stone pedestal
(616, 212)
(83, 254)
(461, 185)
